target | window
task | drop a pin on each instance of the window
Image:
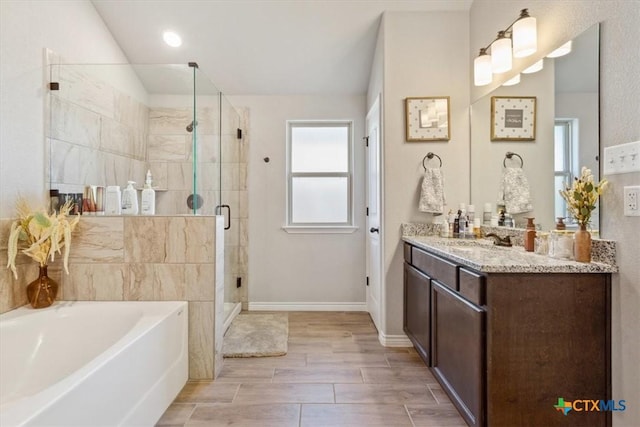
(319, 173)
(563, 162)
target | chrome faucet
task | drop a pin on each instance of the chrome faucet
(500, 241)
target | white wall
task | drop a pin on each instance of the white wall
(26, 28)
(299, 268)
(425, 54)
(559, 21)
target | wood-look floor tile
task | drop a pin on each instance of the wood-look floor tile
(320, 346)
(405, 360)
(347, 360)
(285, 393)
(208, 392)
(231, 414)
(398, 375)
(354, 415)
(365, 337)
(317, 375)
(384, 393)
(289, 360)
(176, 414)
(239, 374)
(439, 394)
(364, 347)
(434, 415)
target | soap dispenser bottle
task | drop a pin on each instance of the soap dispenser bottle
(530, 236)
(130, 200)
(148, 200)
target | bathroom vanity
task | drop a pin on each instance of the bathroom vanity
(507, 332)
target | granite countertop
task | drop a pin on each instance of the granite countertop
(482, 255)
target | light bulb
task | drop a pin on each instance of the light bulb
(172, 38)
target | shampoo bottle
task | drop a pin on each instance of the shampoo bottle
(148, 202)
(130, 200)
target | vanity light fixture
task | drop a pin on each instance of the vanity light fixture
(518, 40)
(172, 38)
(482, 74)
(561, 51)
(501, 59)
(513, 81)
(534, 68)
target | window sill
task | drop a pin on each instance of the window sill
(319, 229)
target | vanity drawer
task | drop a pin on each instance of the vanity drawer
(472, 286)
(435, 267)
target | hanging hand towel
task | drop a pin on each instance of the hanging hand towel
(432, 194)
(514, 191)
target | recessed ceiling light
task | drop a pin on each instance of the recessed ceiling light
(172, 38)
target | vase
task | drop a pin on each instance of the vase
(42, 292)
(582, 244)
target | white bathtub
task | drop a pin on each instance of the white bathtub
(92, 363)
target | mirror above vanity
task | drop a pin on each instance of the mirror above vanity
(566, 115)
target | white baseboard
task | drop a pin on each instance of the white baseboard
(394, 340)
(307, 306)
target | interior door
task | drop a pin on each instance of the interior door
(374, 246)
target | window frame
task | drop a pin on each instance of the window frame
(568, 143)
(319, 227)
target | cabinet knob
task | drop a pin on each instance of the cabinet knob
(374, 230)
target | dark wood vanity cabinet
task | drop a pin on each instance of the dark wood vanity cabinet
(417, 313)
(506, 346)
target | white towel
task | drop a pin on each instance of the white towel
(514, 191)
(432, 194)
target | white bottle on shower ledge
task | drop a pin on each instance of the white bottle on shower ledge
(130, 200)
(148, 199)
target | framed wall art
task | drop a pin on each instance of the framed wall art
(513, 118)
(427, 119)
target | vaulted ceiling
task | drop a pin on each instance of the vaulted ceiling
(262, 47)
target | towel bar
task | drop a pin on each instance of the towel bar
(510, 155)
(430, 156)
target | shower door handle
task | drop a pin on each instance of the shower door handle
(227, 217)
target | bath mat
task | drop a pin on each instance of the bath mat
(257, 335)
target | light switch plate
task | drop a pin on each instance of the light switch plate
(622, 158)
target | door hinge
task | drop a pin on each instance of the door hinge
(239, 133)
(367, 210)
(238, 282)
(367, 280)
(54, 86)
(366, 141)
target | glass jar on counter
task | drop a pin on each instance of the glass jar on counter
(561, 244)
(541, 244)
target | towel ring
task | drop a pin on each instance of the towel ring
(510, 155)
(430, 156)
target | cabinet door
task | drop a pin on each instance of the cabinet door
(417, 301)
(458, 350)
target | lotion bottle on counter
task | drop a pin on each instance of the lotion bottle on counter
(530, 236)
(113, 203)
(148, 202)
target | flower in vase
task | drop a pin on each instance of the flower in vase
(583, 195)
(41, 235)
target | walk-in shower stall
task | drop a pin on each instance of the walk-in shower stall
(111, 123)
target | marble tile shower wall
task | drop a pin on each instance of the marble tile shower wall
(96, 134)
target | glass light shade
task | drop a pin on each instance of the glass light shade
(501, 60)
(482, 74)
(513, 81)
(561, 51)
(525, 37)
(172, 39)
(534, 68)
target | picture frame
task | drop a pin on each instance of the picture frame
(513, 118)
(428, 118)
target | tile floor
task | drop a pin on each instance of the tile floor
(335, 373)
